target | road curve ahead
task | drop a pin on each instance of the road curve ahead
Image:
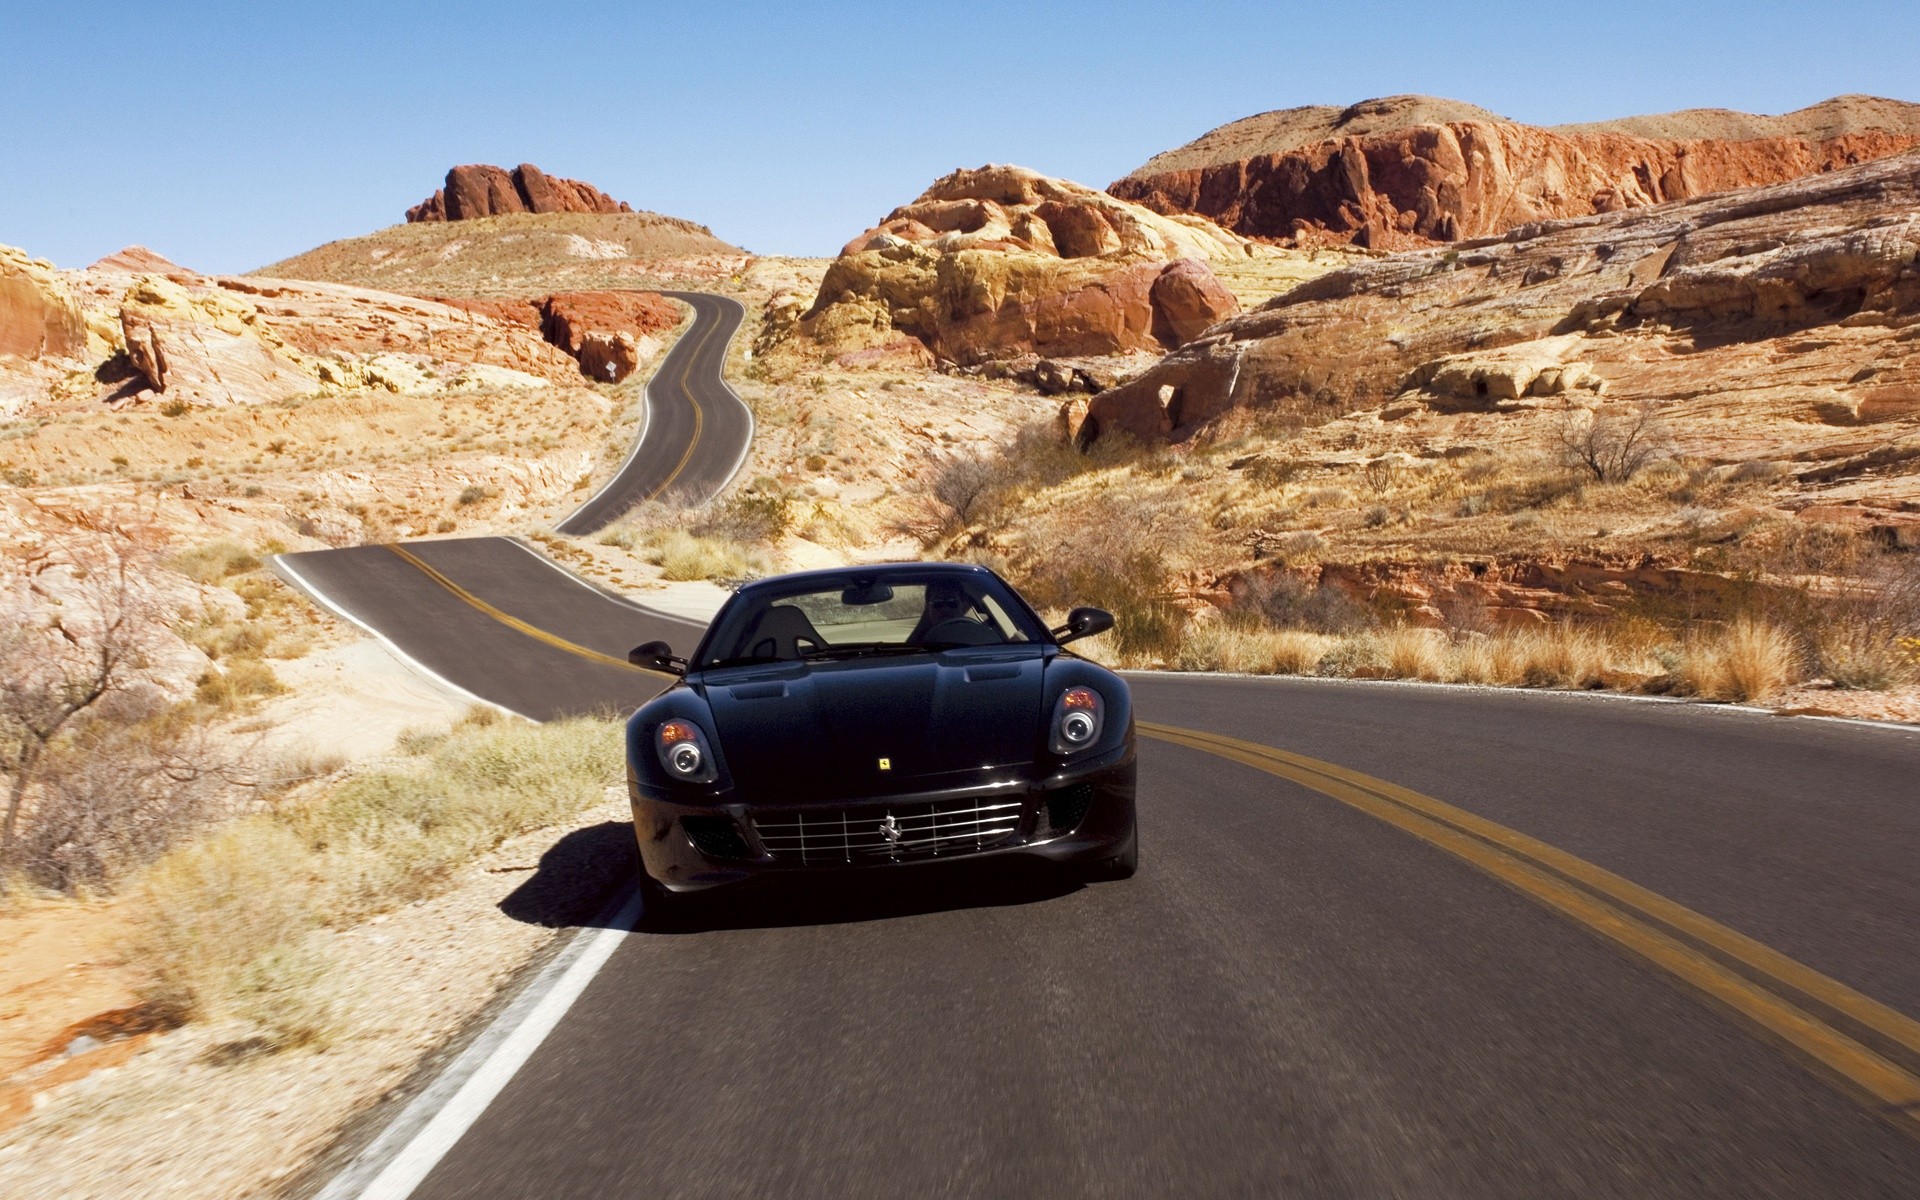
(697, 431)
(495, 619)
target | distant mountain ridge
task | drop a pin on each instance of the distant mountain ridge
(1405, 171)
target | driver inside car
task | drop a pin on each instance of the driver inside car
(944, 602)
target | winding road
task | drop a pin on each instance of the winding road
(1387, 940)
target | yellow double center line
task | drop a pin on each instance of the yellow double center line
(1665, 934)
(513, 622)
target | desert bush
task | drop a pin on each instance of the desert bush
(961, 487)
(754, 517)
(131, 783)
(1612, 447)
(1410, 653)
(236, 683)
(62, 665)
(1285, 601)
(393, 835)
(209, 914)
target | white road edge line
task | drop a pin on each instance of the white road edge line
(413, 1143)
(280, 564)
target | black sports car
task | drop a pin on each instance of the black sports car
(877, 718)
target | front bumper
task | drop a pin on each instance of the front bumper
(1082, 814)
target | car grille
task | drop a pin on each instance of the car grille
(889, 831)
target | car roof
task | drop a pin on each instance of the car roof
(865, 571)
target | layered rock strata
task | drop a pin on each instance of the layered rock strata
(1780, 321)
(1408, 171)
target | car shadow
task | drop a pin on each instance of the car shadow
(576, 877)
(580, 874)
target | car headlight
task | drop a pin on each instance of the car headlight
(684, 751)
(1077, 720)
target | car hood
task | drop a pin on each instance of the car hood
(820, 731)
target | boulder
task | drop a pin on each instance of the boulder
(1187, 298)
(39, 316)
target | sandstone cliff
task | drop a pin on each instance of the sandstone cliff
(1778, 321)
(1408, 171)
(38, 315)
(1003, 261)
(478, 190)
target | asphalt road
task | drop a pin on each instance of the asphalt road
(1310, 989)
(697, 430)
(1292, 998)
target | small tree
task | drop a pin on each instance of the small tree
(58, 660)
(1612, 447)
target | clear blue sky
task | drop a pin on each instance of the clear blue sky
(227, 136)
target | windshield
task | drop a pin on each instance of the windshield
(855, 616)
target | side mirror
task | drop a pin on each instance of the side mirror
(658, 656)
(1084, 622)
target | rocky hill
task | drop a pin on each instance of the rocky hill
(479, 190)
(1774, 322)
(1003, 261)
(1408, 171)
(522, 255)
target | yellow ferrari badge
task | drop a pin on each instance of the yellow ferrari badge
(886, 764)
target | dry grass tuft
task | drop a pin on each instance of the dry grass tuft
(1747, 660)
(228, 924)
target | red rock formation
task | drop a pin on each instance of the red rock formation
(478, 190)
(1703, 310)
(602, 329)
(1402, 188)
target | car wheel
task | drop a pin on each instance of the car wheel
(659, 908)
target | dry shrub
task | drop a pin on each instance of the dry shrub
(1284, 601)
(130, 785)
(212, 563)
(389, 836)
(234, 684)
(1746, 660)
